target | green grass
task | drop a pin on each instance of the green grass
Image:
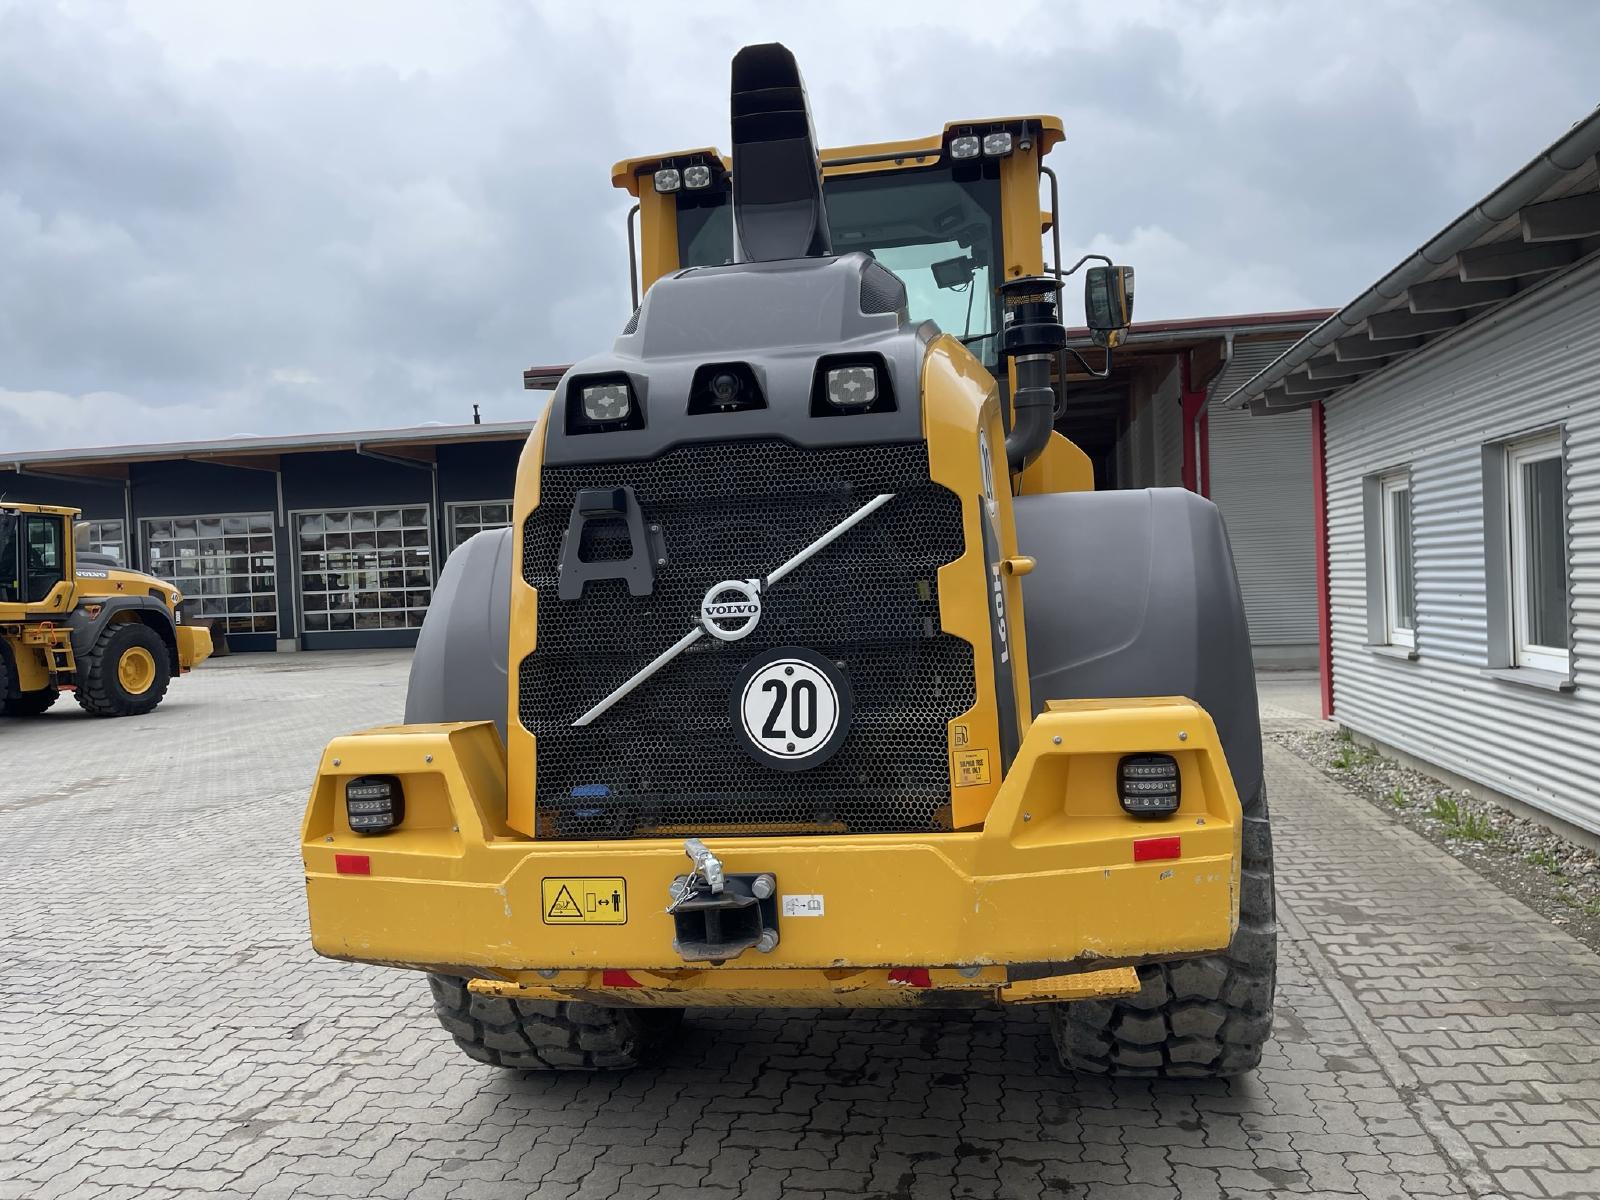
(1351, 755)
(1398, 798)
(1460, 822)
(1445, 809)
(1547, 861)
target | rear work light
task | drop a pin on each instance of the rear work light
(1147, 784)
(997, 145)
(374, 803)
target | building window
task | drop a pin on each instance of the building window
(1537, 527)
(1399, 575)
(108, 538)
(468, 519)
(365, 568)
(225, 566)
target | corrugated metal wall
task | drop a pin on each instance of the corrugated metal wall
(1167, 407)
(1136, 445)
(1261, 480)
(1533, 365)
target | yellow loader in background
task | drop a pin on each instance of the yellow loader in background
(115, 638)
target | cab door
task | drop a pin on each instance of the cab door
(46, 563)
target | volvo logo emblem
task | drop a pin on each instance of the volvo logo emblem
(731, 609)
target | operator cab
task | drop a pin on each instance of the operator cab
(33, 556)
(931, 210)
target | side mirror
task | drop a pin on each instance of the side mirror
(1108, 303)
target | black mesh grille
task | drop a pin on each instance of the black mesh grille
(882, 291)
(665, 759)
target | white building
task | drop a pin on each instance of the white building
(1455, 411)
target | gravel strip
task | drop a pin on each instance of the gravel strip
(1551, 875)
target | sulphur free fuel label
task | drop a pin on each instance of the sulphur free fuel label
(569, 901)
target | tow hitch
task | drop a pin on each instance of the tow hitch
(717, 916)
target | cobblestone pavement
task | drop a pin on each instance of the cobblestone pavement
(166, 1031)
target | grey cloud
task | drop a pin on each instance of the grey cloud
(198, 244)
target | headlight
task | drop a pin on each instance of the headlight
(852, 384)
(852, 387)
(668, 179)
(996, 145)
(374, 803)
(697, 176)
(964, 147)
(603, 404)
(607, 402)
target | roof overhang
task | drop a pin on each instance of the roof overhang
(1539, 224)
(103, 463)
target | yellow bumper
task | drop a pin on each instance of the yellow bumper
(1057, 883)
(194, 646)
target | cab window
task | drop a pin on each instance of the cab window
(940, 234)
(45, 556)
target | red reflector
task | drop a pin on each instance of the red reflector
(1146, 849)
(618, 979)
(911, 976)
(352, 864)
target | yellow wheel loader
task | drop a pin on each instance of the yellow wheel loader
(811, 672)
(77, 622)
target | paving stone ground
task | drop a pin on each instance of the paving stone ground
(166, 1031)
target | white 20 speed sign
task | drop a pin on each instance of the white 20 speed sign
(792, 708)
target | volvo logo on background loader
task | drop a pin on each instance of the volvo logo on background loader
(941, 791)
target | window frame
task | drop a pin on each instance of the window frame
(202, 601)
(317, 608)
(1391, 485)
(1540, 447)
(456, 506)
(121, 539)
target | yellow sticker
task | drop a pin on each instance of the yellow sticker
(567, 901)
(971, 767)
(959, 736)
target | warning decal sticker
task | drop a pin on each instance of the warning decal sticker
(569, 901)
(970, 767)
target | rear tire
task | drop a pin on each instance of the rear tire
(550, 1035)
(30, 704)
(1206, 1017)
(125, 673)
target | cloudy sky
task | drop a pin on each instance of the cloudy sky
(225, 217)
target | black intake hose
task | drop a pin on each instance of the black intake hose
(1033, 410)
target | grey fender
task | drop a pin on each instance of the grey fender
(459, 670)
(1134, 594)
(86, 629)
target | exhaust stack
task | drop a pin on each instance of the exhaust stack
(778, 210)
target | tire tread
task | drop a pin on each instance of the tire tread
(526, 1035)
